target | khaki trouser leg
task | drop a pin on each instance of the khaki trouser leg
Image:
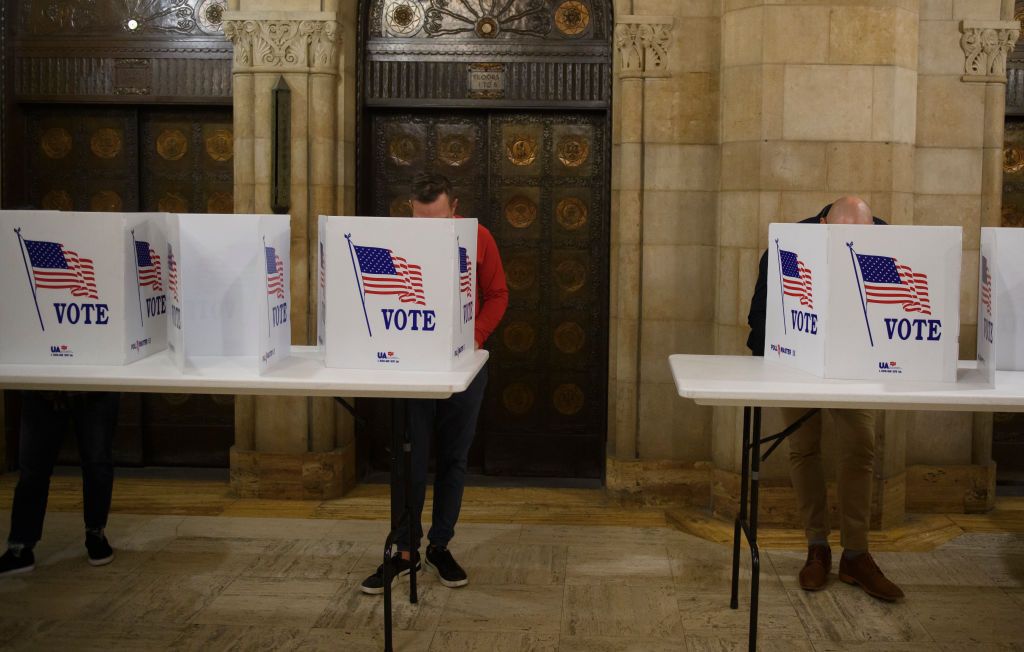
(808, 473)
(855, 435)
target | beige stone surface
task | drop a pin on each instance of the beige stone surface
(894, 96)
(951, 210)
(947, 171)
(793, 165)
(680, 217)
(796, 34)
(811, 107)
(939, 48)
(977, 9)
(872, 35)
(944, 100)
(742, 35)
(742, 89)
(681, 167)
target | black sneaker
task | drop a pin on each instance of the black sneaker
(14, 563)
(100, 552)
(441, 562)
(374, 584)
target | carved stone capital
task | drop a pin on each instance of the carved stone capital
(642, 43)
(283, 41)
(986, 44)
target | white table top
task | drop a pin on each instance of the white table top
(754, 381)
(302, 373)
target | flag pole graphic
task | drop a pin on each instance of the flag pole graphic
(782, 290)
(359, 287)
(31, 281)
(860, 292)
(138, 282)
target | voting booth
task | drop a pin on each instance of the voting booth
(228, 281)
(864, 301)
(81, 288)
(396, 293)
(1001, 301)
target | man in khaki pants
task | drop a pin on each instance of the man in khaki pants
(855, 435)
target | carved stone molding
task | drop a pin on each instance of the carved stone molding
(642, 43)
(986, 45)
(283, 41)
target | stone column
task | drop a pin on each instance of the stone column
(818, 101)
(285, 447)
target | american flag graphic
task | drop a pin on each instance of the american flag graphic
(796, 278)
(385, 273)
(887, 281)
(986, 286)
(275, 274)
(465, 273)
(57, 268)
(149, 266)
(172, 274)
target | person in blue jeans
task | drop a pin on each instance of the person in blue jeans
(453, 419)
(44, 420)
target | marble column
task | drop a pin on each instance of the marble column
(286, 447)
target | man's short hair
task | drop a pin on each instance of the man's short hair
(427, 187)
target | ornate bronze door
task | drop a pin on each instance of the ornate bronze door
(538, 181)
(150, 159)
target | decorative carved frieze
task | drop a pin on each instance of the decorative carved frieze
(283, 42)
(986, 45)
(642, 43)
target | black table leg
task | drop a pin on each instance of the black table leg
(741, 518)
(400, 504)
(755, 560)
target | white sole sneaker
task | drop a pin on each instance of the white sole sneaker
(449, 583)
(377, 591)
(18, 571)
(101, 562)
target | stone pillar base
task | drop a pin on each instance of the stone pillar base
(777, 504)
(964, 489)
(659, 482)
(293, 476)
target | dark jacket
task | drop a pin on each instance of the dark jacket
(759, 302)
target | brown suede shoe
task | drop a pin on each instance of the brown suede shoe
(814, 574)
(864, 572)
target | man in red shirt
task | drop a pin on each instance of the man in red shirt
(454, 419)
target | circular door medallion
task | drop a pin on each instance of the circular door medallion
(220, 145)
(220, 202)
(573, 151)
(403, 150)
(106, 143)
(571, 275)
(403, 17)
(455, 151)
(519, 337)
(210, 16)
(57, 200)
(56, 142)
(171, 144)
(568, 398)
(569, 337)
(520, 273)
(517, 398)
(400, 207)
(106, 201)
(521, 150)
(572, 17)
(520, 211)
(1013, 159)
(571, 213)
(487, 27)
(172, 202)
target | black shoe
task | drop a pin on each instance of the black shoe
(12, 563)
(441, 562)
(100, 552)
(374, 584)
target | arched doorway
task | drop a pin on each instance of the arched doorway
(511, 100)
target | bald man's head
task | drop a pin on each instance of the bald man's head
(849, 210)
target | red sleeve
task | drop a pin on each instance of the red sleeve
(492, 293)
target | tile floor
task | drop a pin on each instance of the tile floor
(223, 582)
